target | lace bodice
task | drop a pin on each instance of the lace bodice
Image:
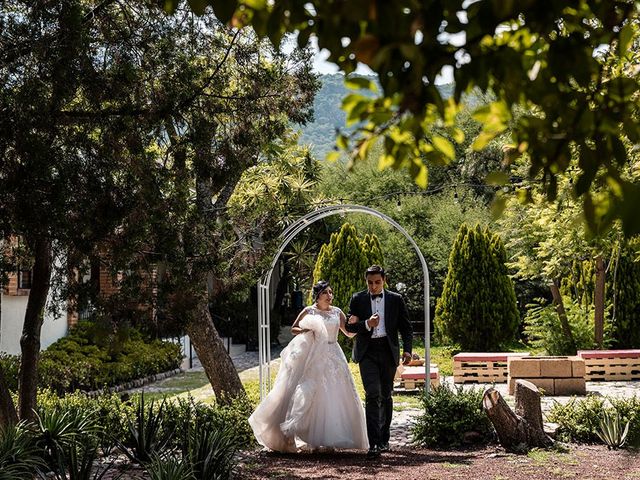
(331, 320)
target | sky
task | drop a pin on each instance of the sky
(322, 66)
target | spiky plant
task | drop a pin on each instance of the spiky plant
(611, 431)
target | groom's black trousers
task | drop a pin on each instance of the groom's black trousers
(377, 370)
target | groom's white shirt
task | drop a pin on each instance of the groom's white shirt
(377, 305)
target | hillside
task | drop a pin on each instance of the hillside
(328, 116)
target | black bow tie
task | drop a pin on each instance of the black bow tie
(376, 295)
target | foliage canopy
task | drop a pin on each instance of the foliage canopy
(571, 65)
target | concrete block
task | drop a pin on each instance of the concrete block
(569, 386)
(545, 384)
(555, 367)
(523, 367)
(577, 367)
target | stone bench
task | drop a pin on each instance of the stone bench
(611, 365)
(410, 378)
(482, 367)
(554, 375)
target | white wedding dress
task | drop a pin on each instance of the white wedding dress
(313, 402)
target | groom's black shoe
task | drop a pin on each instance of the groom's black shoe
(385, 447)
(373, 453)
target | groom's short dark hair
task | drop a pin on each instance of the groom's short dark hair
(375, 270)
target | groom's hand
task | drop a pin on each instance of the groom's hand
(406, 358)
(374, 320)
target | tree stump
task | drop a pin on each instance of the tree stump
(521, 430)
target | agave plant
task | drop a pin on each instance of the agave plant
(19, 457)
(611, 431)
(58, 429)
(169, 469)
(211, 451)
(148, 432)
(76, 461)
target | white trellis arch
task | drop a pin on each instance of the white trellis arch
(264, 300)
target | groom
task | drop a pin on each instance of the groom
(377, 316)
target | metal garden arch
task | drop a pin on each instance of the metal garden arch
(264, 300)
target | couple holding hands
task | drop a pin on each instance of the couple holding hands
(314, 403)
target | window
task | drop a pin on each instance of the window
(24, 279)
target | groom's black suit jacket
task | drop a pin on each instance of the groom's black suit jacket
(396, 319)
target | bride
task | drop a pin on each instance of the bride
(314, 402)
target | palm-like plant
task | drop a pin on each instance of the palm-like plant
(301, 258)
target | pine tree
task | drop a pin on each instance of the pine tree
(477, 308)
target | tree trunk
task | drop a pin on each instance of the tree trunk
(517, 432)
(562, 314)
(8, 414)
(216, 361)
(528, 407)
(598, 302)
(30, 340)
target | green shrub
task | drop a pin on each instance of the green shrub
(452, 417)
(478, 308)
(579, 419)
(543, 330)
(237, 414)
(183, 414)
(89, 359)
(10, 366)
(111, 412)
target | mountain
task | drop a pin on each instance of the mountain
(328, 115)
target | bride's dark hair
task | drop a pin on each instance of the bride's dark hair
(318, 288)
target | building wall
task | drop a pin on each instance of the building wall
(12, 312)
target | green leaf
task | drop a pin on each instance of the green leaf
(223, 9)
(457, 134)
(445, 146)
(497, 178)
(360, 83)
(333, 156)
(497, 206)
(626, 35)
(619, 151)
(482, 140)
(422, 175)
(256, 4)
(170, 6)
(342, 142)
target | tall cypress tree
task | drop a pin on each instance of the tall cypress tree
(477, 308)
(343, 261)
(626, 323)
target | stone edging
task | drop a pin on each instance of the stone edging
(137, 383)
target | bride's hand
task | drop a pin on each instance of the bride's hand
(353, 319)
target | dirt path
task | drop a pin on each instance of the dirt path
(490, 463)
